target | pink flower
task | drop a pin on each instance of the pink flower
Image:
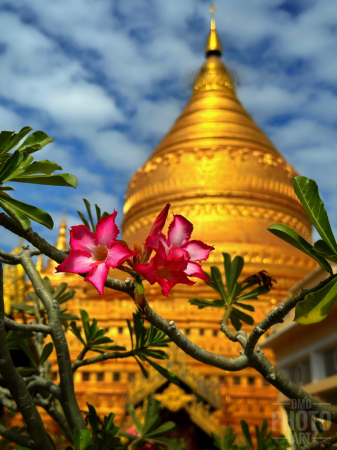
(95, 253)
(157, 226)
(175, 258)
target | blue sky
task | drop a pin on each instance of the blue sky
(107, 78)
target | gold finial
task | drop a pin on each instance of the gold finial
(61, 243)
(213, 43)
(212, 10)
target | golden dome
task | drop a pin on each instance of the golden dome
(218, 169)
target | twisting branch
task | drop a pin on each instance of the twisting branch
(327, 443)
(55, 254)
(278, 314)
(103, 357)
(212, 359)
(12, 436)
(39, 328)
(56, 415)
(18, 388)
(68, 399)
(48, 385)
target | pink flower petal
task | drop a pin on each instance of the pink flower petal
(76, 262)
(195, 270)
(148, 271)
(97, 276)
(179, 232)
(159, 223)
(175, 278)
(154, 241)
(81, 238)
(118, 253)
(198, 251)
(107, 230)
(179, 258)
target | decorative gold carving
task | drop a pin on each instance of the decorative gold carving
(174, 398)
(221, 211)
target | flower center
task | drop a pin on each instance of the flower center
(100, 253)
(163, 272)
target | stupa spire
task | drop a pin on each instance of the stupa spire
(213, 44)
(61, 243)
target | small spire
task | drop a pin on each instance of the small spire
(39, 263)
(61, 243)
(213, 43)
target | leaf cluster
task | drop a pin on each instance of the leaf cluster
(232, 292)
(316, 306)
(94, 337)
(265, 441)
(60, 293)
(145, 345)
(150, 431)
(20, 167)
(99, 215)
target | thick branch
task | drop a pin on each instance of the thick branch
(286, 386)
(48, 385)
(55, 254)
(68, 398)
(57, 416)
(278, 314)
(212, 359)
(39, 328)
(327, 443)
(11, 436)
(18, 388)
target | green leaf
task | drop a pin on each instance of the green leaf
(151, 416)
(76, 332)
(4, 138)
(46, 167)
(84, 220)
(287, 234)
(243, 316)
(15, 139)
(87, 205)
(307, 192)
(135, 420)
(25, 347)
(24, 371)
(212, 284)
(15, 213)
(130, 331)
(200, 303)
(21, 209)
(138, 327)
(6, 188)
(254, 293)
(142, 368)
(46, 352)
(166, 373)
(244, 306)
(62, 179)
(139, 286)
(246, 433)
(85, 321)
(322, 248)
(98, 213)
(235, 320)
(35, 142)
(81, 439)
(165, 428)
(236, 269)
(217, 278)
(10, 166)
(316, 306)
(60, 289)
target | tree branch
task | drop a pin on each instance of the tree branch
(48, 385)
(212, 359)
(55, 254)
(68, 398)
(39, 328)
(278, 314)
(12, 436)
(103, 357)
(18, 388)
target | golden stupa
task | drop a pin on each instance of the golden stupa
(219, 170)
